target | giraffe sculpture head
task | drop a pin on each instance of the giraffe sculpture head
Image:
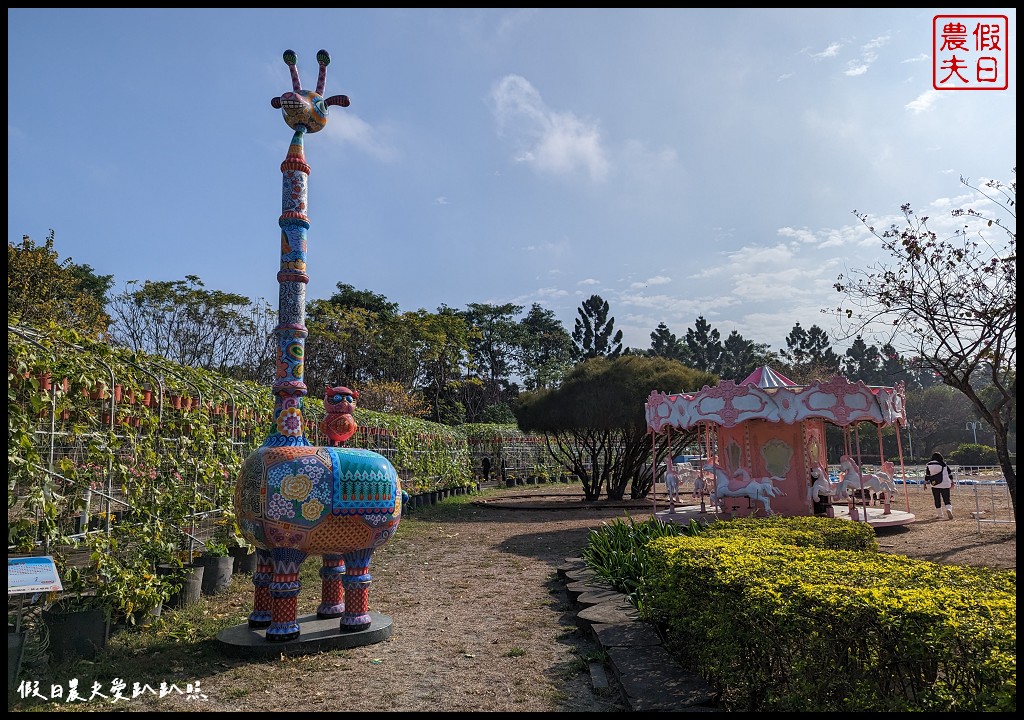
(307, 108)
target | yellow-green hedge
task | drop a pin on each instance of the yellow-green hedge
(781, 621)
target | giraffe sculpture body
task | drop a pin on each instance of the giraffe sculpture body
(293, 499)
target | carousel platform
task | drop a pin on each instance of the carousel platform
(876, 515)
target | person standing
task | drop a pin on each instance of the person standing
(940, 478)
(487, 468)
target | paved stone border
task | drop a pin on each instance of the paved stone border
(650, 679)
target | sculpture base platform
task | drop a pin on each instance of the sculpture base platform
(315, 636)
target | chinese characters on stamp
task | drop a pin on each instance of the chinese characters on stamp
(970, 52)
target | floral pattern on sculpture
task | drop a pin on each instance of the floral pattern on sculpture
(279, 508)
(313, 509)
(296, 487)
(289, 422)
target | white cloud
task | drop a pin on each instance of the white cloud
(656, 280)
(831, 51)
(917, 58)
(347, 128)
(925, 102)
(557, 143)
(877, 42)
(802, 236)
(550, 293)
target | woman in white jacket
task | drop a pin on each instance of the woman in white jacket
(938, 470)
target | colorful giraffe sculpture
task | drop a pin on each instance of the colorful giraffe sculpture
(293, 499)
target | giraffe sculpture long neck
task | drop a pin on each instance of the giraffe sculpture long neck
(289, 386)
(305, 112)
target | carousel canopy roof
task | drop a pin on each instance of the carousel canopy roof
(765, 377)
(766, 395)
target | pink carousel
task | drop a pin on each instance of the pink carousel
(764, 440)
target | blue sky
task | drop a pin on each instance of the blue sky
(679, 163)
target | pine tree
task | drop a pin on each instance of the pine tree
(594, 334)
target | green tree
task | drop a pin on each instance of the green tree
(547, 350)
(348, 296)
(184, 322)
(863, 362)
(42, 288)
(340, 348)
(952, 302)
(594, 423)
(494, 346)
(440, 349)
(594, 333)
(665, 344)
(809, 355)
(357, 337)
(704, 347)
(939, 417)
(740, 357)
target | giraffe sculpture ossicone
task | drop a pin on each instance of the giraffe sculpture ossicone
(293, 499)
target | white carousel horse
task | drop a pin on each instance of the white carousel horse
(699, 484)
(672, 483)
(821, 487)
(853, 479)
(742, 485)
(676, 476)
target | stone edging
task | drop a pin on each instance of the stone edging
(649, 678)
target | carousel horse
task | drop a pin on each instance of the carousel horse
(821, 489)
(677, 475)
(672, 483)
(854, 479)
(686, 474)
(699, 486)
(743, 485)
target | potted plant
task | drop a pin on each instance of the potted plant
(241, 551)
(15, 652)
(78, 619)
(184, 580)
(217, 566)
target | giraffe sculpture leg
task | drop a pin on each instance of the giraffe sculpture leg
(332, 599)
(284, 594)
(260, 616)
(357, 591)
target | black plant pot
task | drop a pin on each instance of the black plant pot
(78, 634)
(245, 561)
(217, 573)
(15, 651)
(191, 579)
